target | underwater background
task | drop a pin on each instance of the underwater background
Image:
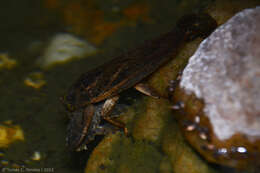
(47, 44)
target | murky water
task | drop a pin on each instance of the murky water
(25, 30)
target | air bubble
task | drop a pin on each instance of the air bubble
(241, 149)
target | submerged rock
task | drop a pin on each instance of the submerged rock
(6, 62)
(219, 90)
(10, 133)
(35, 80)
(64, 47)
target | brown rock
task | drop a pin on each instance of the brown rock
(219, 90)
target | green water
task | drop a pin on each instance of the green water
(39, 111)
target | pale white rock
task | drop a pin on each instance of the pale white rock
(225, 73)
(63, 47)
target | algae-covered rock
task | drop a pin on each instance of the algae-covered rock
(122, 154)
(99, 159)
(182, 158)
(149, 123)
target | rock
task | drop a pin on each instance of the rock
(36, 156)
(64, 47)
(150, 123)
(222, 71)
(99, 159)
(10, 133)
(182, 158)
(35, 80)
(117, 153)
(6, 62)
(220, 92)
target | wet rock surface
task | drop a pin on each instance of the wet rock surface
(224, 71)
(224, 125)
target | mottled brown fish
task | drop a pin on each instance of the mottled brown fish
(93, 96)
